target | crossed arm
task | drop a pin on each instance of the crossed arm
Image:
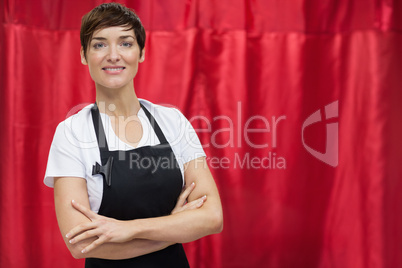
(88, 234)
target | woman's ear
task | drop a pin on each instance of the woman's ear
(142, 58)
(83, 60)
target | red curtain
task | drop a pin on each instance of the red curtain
(298, 105)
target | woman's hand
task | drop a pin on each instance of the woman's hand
(182, 204)
(106, 229)
(116, 231)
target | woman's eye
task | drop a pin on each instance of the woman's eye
(127, 44)
(98, 45)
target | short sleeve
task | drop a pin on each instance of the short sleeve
(190, 144)
(64, 156)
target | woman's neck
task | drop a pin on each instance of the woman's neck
(117, 102)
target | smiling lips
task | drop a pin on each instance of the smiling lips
(113, 69)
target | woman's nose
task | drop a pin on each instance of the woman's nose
(113, 54)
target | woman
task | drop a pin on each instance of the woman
(118, 166)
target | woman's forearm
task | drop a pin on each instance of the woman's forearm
(192, 224)
(182, 227)
(185, 226)
(67, 189)
(119, 251)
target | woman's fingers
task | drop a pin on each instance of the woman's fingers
(181, 204)
(191, 205)
(87, 212)
(195, 203)
(100, 228)
(85, 235)
(181, 201)
(80, 228)
(95, 244)
(184, 195)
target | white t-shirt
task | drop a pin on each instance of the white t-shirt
(75, 150)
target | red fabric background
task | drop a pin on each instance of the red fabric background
(223, 62)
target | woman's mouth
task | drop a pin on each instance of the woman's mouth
(113, 69)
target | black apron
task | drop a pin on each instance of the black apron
(141, 183)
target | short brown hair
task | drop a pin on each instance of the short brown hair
(110, 15)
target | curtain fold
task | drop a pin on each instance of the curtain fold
(297, 106)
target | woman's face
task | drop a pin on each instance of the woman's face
(112, 57)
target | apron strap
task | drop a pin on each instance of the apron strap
(155, 125)
(99, 130)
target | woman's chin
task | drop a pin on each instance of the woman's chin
(113, 86)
